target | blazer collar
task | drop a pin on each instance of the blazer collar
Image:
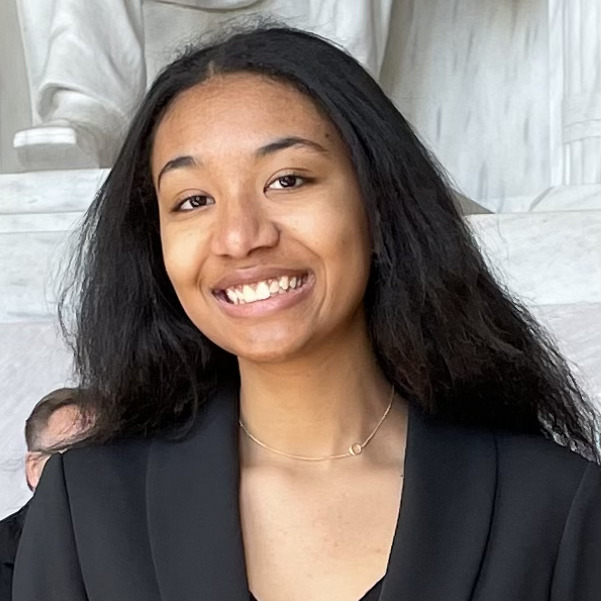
(444, 520)
(193, 509)
(446, 512)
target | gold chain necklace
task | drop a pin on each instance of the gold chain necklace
(355, 449)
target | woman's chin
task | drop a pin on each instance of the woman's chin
(267, 354)
(270, 349)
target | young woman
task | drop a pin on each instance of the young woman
(310, 387)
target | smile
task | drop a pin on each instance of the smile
(252, 292)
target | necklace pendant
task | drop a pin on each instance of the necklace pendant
(355, 449)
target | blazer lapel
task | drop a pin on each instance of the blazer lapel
(444, 521)
(446, 512)
(193, 509)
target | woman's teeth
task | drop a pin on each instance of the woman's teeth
(257, 291)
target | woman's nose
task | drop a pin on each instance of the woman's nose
(241, 227)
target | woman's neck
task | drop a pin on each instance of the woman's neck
(315, 405)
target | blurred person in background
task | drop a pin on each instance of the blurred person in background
(55, 421)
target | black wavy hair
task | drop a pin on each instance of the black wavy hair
(448, 336)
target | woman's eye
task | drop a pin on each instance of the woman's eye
(195, 201)
(287, 181)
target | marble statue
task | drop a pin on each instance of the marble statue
(85, 65)
(87, 70)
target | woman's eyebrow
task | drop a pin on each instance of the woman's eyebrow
(275, 146)
(176, 163)
(288, 142)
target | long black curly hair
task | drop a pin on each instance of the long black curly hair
(448, 335)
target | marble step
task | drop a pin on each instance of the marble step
(544, 258)
(36, 192)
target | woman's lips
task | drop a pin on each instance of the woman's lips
(264, 296)
(261, 290)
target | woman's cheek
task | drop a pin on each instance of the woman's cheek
(182, 254)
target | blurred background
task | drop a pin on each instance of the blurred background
(506, 94)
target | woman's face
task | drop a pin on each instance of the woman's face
(264, 234)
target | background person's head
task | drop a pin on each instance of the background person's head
(443, 331)
(55, 422)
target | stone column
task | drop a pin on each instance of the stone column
(581, 110)
(574, 107)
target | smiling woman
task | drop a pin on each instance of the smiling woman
(307, 384)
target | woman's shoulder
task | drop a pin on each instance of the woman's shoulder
(112, 450)
(531, 463)
(131, 458)
(537, 450)
(122, 462)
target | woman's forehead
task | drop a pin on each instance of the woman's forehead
(239, 110)
(237, 97)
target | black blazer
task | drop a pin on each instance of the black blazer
(484, 517)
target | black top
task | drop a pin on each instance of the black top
(373, 594)
(10, 533)
(484, 516)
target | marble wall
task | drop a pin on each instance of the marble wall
(550, 260)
